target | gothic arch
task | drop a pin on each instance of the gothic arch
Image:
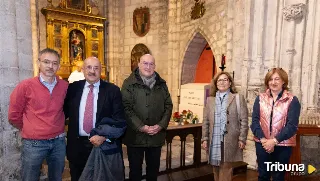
(194, 47)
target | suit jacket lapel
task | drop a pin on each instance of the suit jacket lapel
(212, 105)
(78, 96)
(230, 98)
(101, 99)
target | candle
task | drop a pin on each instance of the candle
(223, 60)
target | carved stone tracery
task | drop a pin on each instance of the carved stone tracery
(294, 11)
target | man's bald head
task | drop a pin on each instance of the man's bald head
(147, 57)
(147, 65)
(92, 69)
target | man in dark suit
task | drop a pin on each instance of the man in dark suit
(87, 103)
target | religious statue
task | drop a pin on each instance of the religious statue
(76, 46)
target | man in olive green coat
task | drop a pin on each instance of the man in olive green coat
(148, 109)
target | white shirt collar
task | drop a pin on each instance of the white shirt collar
(97, 84)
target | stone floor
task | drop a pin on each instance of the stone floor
(175, 155)
(175, 158)
(250, 175)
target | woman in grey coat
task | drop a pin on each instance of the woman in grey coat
(225, 126)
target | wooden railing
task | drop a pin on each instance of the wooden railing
(183, 132)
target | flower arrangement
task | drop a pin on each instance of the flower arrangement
(177, 117)
(185, 117)
(195, 120)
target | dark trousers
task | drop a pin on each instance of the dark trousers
(136, 156)
(77, 166)
(280, 154)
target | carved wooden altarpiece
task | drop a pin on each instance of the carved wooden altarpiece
(75, 33)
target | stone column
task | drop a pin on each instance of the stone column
(15, 65)
(174, 15)
(255, 77)
(310, 64)
(293, 14)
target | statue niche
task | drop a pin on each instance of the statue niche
(76, 47)
(137, 51)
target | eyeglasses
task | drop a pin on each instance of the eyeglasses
(94, 68)
(222, 80)
(146, 64)
(48, 62)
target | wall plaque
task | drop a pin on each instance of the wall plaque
(141, 21)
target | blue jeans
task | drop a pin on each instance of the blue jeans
(35, 151)
(280, 154)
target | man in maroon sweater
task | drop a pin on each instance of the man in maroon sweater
(36, 109)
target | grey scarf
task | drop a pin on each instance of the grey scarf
(219, 128)
(148, 81)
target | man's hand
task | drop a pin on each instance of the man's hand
(97, 140)
(241, 144)
(145, 129)
(154, 129)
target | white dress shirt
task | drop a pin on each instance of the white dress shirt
(82, 107)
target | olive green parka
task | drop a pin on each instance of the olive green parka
(145, 106)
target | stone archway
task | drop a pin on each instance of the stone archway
(191, 57)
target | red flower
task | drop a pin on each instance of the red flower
(184, 112)
(176, 115)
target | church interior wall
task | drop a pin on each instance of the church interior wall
(254, 35)
(212, 27)
(155, 39)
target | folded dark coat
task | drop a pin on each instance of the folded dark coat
(112, 130)
(106, 162)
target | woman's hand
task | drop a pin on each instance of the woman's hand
(241, 144)
(205, 145)
(268, 145)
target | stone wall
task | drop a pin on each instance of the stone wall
(156, 39)
(15, 65)
(277, 33)
(173, 38)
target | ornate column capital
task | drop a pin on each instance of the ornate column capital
(64, 23)
(50, 21)
(88, 27)
(294, 11)
(100, 28)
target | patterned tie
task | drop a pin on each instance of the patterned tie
(88, 112)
